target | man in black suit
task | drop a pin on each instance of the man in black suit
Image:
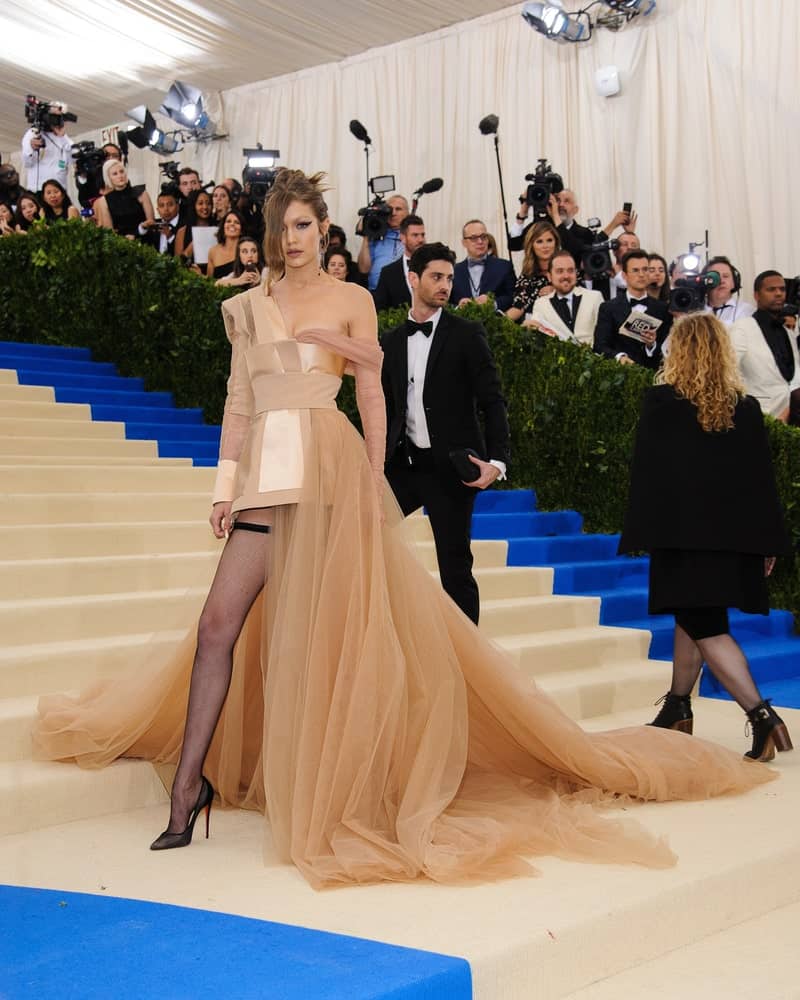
(612, 314)
(162, 237)
(438, 369)
(480, 273)
(393, 288)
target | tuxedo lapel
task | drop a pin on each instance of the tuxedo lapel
(398, 367)
(487, 278)
(443, 331)
(552, 319)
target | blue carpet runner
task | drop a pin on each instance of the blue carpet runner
(151, 416)
(588, 565)
(73, 946)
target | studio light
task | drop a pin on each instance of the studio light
(644, 7)
(184, 105)
(146, 134)
(551, 20)
(260, 158)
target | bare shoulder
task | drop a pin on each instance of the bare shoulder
(356, 295)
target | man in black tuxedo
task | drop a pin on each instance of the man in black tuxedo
(612, 314)
(438, 369)
(162, 237)
(393, 288)
(480, 273)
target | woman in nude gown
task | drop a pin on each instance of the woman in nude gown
(332, 684)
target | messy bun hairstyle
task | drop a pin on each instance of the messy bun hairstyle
(289, 186)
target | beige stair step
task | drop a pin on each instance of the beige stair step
(80, 460)
(59, 541)
(491, 553)
(575, 648)
(26, 393)
(24, 426)
(496, 582)
(51, 411)
(754, 960)
(535, 614)
(84, 617)
(17, 716)
(35, 794)
(594, 692)
(106, 508)
(8, 376)
(48, 667)
(91, 448)
(39, 578)
(98, 479)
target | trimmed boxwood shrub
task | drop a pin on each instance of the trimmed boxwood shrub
(573, 414)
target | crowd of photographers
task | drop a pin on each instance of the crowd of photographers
(592, 285)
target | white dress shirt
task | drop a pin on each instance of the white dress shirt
(734, 309)
(52, 162)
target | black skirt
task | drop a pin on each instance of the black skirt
(682, 578)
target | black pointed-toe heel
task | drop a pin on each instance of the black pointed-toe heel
(166, 841)
(676, 713)
(769, 732)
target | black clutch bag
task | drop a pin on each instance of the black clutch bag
(467, 471)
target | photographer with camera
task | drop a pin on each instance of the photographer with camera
(723, 300)
(393, 286)
(379, 227)
(46, 147)
(768, 352)
(125, 209)
(160, 234)
(632, 327)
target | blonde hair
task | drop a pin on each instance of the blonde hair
(530, 265)
(107, 166)
(289, 186)
(700, 365)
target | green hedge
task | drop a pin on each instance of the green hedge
(573, 414)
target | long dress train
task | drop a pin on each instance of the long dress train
(383, 736)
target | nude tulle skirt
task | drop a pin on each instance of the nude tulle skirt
(380, 733)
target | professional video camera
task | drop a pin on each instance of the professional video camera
(44, 116)
(258, 176)
(689, 293)
(375, 216)
(171, 170)
(89, 162)
(542, 183)
(596, 259)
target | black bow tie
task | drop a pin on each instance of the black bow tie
(476, 262)
(638, 302)
(412, 327)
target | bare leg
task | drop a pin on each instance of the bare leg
(686, 663)
(728, 664)
(239, 579)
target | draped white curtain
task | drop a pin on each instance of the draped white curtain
(704, 134)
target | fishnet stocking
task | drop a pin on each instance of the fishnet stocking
(239, 579)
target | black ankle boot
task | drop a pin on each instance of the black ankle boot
(676, 712)
(769, 732)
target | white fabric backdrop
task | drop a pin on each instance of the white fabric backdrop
(703, 135)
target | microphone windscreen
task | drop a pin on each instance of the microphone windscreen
(712, 279)
(434, 184)
(489, 124)
(358, 130)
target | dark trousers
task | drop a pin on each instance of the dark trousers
(416, 482)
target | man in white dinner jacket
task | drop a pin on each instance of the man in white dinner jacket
(570, 313)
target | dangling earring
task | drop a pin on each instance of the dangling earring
(323, 249)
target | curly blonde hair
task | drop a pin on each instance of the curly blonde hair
(700, 365)
(289, 186)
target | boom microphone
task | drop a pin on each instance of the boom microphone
(489, 124)
(358, 130)
(434, 184)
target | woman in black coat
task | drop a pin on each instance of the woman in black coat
(704, 504)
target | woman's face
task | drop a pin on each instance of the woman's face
(658, 273)
(248, 253)
(118, 176)
(53, 196)
(28, 209)
(300, 237)
(544, 246)
(233, 228)
(6, 215)
(202, 206)
(221, 201)
(337, 267)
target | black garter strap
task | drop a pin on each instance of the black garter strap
(263, 529)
